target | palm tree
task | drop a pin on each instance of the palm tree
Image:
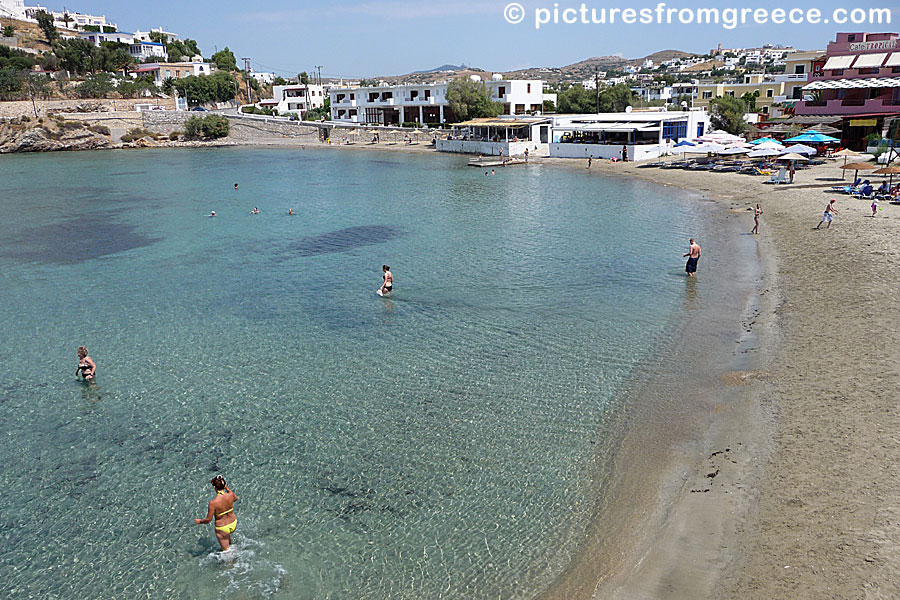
(65, 19)
(168, 86)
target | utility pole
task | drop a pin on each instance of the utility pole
(597, 86)
(247, 75)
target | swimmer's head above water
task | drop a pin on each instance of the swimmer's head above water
(218, 482)
(82, 352)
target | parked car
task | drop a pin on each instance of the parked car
(200, 109)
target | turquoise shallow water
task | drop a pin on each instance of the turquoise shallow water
(440, 444)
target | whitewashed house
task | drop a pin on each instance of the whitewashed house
(644, 134)
(427, 103)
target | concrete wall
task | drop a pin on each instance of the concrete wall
(486, 148)
(635, 153)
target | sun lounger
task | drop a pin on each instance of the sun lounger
(781, 177)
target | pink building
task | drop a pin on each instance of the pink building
(860, 76)
(858, 83)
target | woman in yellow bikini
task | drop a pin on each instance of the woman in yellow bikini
(222, 508)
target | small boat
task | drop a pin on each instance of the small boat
(495, 162)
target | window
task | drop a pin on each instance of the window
(501, 91)
(869, 71)
(770, 93)
(837, 72)
(352, 96)
(799, 69)
(675, 130)
(851, 38)
(528, 91)
(731, 93)
(427, 94)
(707, 95)
(700, 129)
(765, 110)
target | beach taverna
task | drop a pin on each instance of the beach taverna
(646, 134)
(512, 135)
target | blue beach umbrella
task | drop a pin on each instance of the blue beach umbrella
(813, 137)
(681, 144)
(764, 140)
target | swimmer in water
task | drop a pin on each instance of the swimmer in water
(86, 367)
(291, 211)
(212, 214)
(255, 211)
(388, 285)
(222, 509)
(235, 187)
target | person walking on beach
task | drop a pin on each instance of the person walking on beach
(828, 217)
(222, 509)
(590, 160)
(388, 286)
(693, 257)
(793, 170)
(874, 207)
(756, 212)
(624, 153)
(526, 155)
(86, 367)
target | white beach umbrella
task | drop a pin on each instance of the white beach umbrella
(706, 149)
(792, 156)
(764, 153)
(734, 151)
(800, 149)
(770, 146)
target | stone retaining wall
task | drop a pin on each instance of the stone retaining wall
(17, 108)
(255, 129)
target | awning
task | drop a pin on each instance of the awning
(620, 127)
(868, 61)
(893, 60)
(846, 84)
(839, 62)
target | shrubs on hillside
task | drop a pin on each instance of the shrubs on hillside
(209, 127)
(138, 133)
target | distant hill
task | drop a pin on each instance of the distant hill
(442, 68)
(581, 70)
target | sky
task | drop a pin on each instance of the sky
(368, 38)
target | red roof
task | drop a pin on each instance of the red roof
(145, 69)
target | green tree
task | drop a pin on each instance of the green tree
(218, 87)
(616, 98)
(74, 55)
(9, 31)
(210, 127)
(66, 18)
(317, 114)
(750, 100)
(279, 81)
(225, 60)
(11, 81)
(168, 86)
(113, 57)
(469, 99)
(95, 86)
(577, 100)
(549, 106)
(159, 38)
(727, 113)
(45, 22)
(303, 78)
(19, 60)
(178, 50)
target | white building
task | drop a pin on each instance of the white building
(264, 78)
(295, 98)
(161, 71)
(145, 36)
(77, 20)
(499, 136)
(644, 134)
(427, 103)
(142, 51)
(13, 9)
(96, 37)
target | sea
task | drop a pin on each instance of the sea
(447, 441)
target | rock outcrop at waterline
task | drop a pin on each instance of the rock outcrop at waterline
(50, 135)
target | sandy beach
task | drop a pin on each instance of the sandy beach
(816, 513)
